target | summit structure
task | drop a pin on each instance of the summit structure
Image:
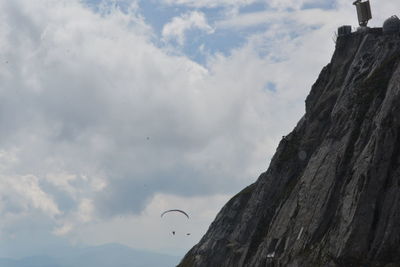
(363, 12)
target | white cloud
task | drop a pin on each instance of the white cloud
(63, 181)
(210, 3)
(21, 194)
(293, 4)
(82, 215)
(100, 114)
(178, 26)
(63, 230)
(274, 4)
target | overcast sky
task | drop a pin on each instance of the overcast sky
(114, 111)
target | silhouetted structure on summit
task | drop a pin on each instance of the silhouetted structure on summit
(343, 30)
(363, 12)
(391, 25)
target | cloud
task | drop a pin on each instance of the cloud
(20, 194)
(274, 4)
(210, 3)
(98, 114)
(83, 214)
(295, 5)
(179, 25)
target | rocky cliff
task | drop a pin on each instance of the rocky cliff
(331, 196)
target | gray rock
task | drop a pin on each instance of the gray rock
(331, 195)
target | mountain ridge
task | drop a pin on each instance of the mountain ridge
(331, 195)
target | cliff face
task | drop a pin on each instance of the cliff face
(331, 196)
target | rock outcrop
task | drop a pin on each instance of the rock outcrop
(331, 196)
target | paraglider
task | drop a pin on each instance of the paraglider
(181, 213)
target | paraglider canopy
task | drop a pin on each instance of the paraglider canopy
(175, 210)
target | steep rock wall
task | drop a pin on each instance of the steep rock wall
(331, 196)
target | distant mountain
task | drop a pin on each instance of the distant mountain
(109, 255)
(36, 261)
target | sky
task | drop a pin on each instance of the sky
(115, 111)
